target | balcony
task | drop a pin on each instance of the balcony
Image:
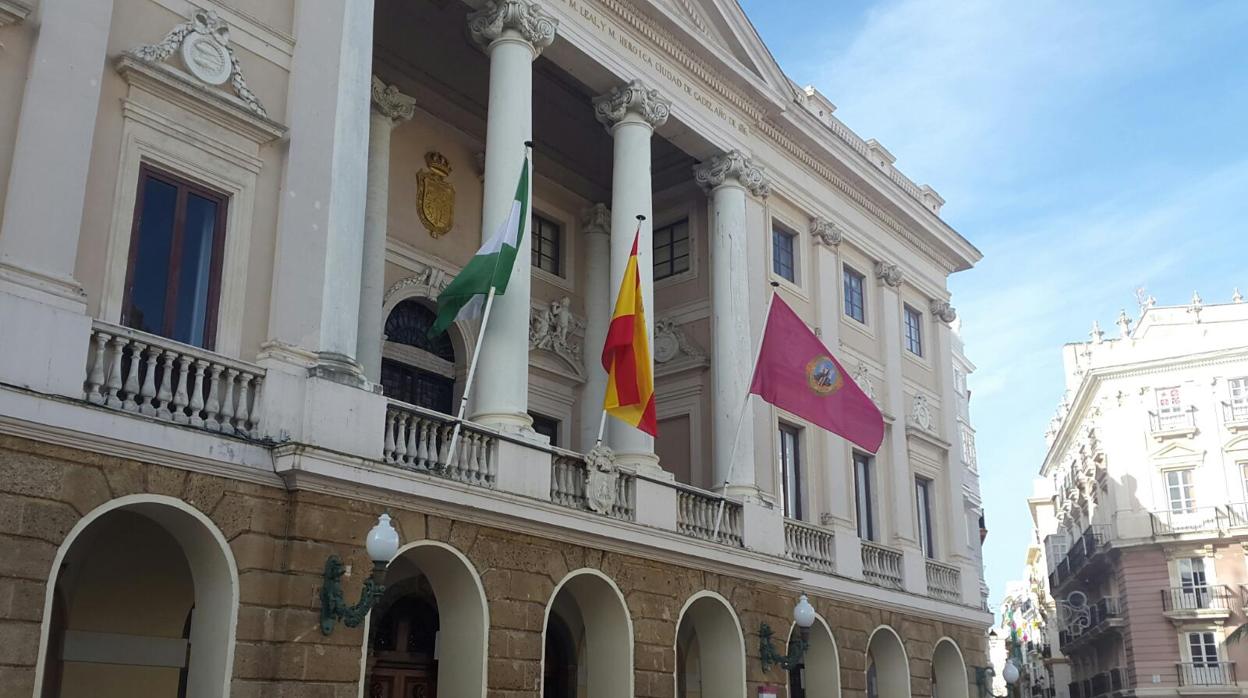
(811, 546)
(881, 565)
(1087, 548)
(1090, 623)
(1198, 521)
(1198, 603)
(944, 581)
(1206, 674)
(1172, 424)
(1235, 415)
(1102, 684)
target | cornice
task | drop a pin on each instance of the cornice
(13, 11)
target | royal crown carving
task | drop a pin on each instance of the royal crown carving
(526, 19)
(944, 312)
(634, 98)
(391, 103)
(730, 166)
(825, 232)
(203, 43)
(889, 274)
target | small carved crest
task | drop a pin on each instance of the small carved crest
(435, 195)
(600, 479)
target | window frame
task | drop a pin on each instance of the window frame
(848, 275)
(864, 500)
(1171, 406)
(1187, 489)
(912, 323)
(791, 484)
(537, 223)
(555, 422)
(184, 186)
(792, 237)
(925, 514)
(673, 273)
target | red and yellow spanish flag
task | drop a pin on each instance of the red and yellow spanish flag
(626, 356)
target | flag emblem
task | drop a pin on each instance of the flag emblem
(822, 376)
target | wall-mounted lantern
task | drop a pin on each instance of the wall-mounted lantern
(804, 617)
(382, 545)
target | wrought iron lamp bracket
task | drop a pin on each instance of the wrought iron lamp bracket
(334, 607)
(768, 655)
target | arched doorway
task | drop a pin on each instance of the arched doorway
(710, 652)
(415, 368)
(589, 640)
(427, 635)
(949, 678)
(143, 600)
(819, 674)
(888, 669)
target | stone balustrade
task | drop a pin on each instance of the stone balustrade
(944, 581)
(143, 374)
(810, 545)
(568, 482)
(882, 565)
(420, 439)
(698, 511)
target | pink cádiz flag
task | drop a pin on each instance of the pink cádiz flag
(795, 372)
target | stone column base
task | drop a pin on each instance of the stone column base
(44, 340)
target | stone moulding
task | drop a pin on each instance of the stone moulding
(13, 11)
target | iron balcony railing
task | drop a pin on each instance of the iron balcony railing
(1174, 421)
(1094, 540)
(1197, 598)
(1210, 519)
(1206, 673)
(1085, 625)
(1234, 412)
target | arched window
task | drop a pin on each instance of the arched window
(415, 368)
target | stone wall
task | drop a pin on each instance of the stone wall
(280, 540)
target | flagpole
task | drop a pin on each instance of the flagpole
(485, 319)
(602, 423)
(736, 436)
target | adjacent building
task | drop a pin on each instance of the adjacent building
(1138, 566)
(224, 225)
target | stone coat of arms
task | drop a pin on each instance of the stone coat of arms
(600, 479)
(435, 196)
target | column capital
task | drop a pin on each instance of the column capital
(733, 165)
(944, 312)
(888, 274)
(499, 19)
(596, 219)
(825, 232)
(390, 103)
(635, 99)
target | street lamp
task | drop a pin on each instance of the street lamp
(804, 617)
(1010, 672)
(382, 544)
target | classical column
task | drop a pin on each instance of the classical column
(316, 272)
(596, 227)
(631, 113)
(389, 108)
(513, 34)
(44, 203)
(727, 178)
(954, 537)
(897, 465)
(837, 479)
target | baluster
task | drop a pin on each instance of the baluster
(388, 447)
(148, 392)
(113, 381)
(413, 441)
(132, 377)
(95, 377)
(444, 445)
(242, 412)
(164, 395)
(253, 426)
(557, 484)
(424, 448)
(180, 397)
(227, 402)
(472, 463)
(197, 394)
(212, 407)
(489, 454)
(400, 438)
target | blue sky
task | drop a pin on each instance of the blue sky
(1087, 148)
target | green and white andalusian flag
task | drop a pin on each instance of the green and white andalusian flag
(464, 297)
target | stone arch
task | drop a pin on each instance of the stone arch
(708, 634)
(424, 287)
(949, 677)
(461, 609)
(207, 566)
(822, 663)
(589, 603)
(888, 668)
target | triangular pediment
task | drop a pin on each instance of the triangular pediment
(1176, 452)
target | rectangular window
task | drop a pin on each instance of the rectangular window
(1180, 491)
(923, 502)
(783, 255)
(862, 496)
(855, 301)
(547, 249)
(914, 331)
(174, 278)
(546, 426)
(1243, 472)
(968, 447)
(1169, 408)
(671, 249)
(791, 470)
(1204, 646)
(1239, 399)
